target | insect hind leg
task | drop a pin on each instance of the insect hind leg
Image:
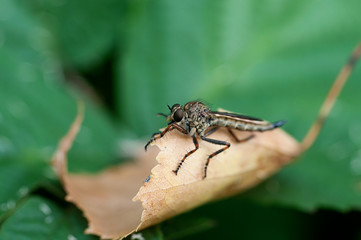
(214, 141)
(240, 140)
(209, 132)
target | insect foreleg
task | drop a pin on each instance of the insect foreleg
(179, 128)
(169, 128)
(160, 135)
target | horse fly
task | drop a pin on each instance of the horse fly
(196, 118)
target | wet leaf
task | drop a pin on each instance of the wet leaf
(153, 233)
(41, 219)
(83, 40)
(36, 107)
(186, 225)
(17, 180)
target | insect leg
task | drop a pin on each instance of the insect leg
(211, 131)
(160, 135)
(187, 154)
(162, 114)
(169, 128)
(214, 141)
(179, 128)
(239, 140)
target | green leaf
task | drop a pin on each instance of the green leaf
(36, 108)
(39, 218)
(243, 219)
(185, 225)
(273, 60)
(18, 180)
(179, 227)
(161, 60)
(152, 233)
(306, 186)
(85, 31)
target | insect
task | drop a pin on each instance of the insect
(195, 118)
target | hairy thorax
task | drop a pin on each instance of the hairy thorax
(197, 117)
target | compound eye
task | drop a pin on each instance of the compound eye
(178, 115)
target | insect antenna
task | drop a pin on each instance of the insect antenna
(162, 114)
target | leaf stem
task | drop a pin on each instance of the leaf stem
(330, 99)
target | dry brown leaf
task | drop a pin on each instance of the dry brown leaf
(240, 167)
(106, 198)
(114, 207)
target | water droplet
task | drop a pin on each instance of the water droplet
(44, 208)
(355, 163)
(355, 133)
(27, 72)
(48, 219)
(71, 237)
(6, 147)
(18, 108)
(49, 173)
(137, 236)
(10, 204)
(23, 191)
(338, 151)
(35, 35)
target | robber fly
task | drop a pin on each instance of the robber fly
(196, 118)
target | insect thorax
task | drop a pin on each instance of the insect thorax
(197, 117)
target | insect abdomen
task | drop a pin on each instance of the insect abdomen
(246, 126)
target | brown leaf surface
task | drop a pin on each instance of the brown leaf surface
(240, 167)
(106, 198)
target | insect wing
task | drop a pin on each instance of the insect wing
(236, 116)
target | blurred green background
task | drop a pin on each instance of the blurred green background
(129, 59)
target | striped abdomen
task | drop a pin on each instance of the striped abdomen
(243, 124)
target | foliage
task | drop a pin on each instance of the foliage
(270, 59)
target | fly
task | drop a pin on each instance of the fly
(195, 118)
